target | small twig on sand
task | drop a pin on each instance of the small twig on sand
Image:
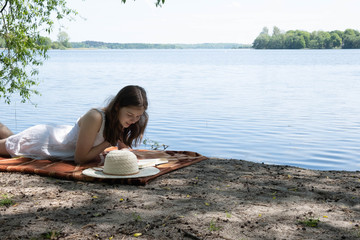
(190, 235)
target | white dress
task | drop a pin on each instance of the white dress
(49, 142)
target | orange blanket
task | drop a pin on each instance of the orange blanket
(71, 171)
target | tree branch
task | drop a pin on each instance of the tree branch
(4, 7)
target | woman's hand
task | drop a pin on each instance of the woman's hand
(121, 145)
(101, 157)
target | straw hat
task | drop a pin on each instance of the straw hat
(120, 164)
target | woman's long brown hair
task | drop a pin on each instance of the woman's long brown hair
(129, 96)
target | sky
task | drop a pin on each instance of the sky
(203, 21)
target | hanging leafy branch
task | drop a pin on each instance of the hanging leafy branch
(23, 48)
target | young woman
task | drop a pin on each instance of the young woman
(122, 122)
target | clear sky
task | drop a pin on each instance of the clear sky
(203, 21)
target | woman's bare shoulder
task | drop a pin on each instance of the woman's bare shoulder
(92, 116)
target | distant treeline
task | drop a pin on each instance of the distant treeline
(104, 45)
(65, 44)
(293, 39)
(297, 39)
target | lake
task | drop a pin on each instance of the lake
(292, 107)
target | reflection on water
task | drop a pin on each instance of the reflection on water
(280, 107)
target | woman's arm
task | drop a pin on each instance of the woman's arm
(89, 125)
(121, 145)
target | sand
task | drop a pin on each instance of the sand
(213, 199)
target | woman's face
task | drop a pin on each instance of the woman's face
(130, 115)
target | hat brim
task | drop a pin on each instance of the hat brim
(97, 172)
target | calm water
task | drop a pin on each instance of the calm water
(298, 107)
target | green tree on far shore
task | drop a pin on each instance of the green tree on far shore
(63, 39)
(351, 39)
(297, 39)
(263, 40)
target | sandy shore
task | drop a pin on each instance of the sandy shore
(213, 199)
